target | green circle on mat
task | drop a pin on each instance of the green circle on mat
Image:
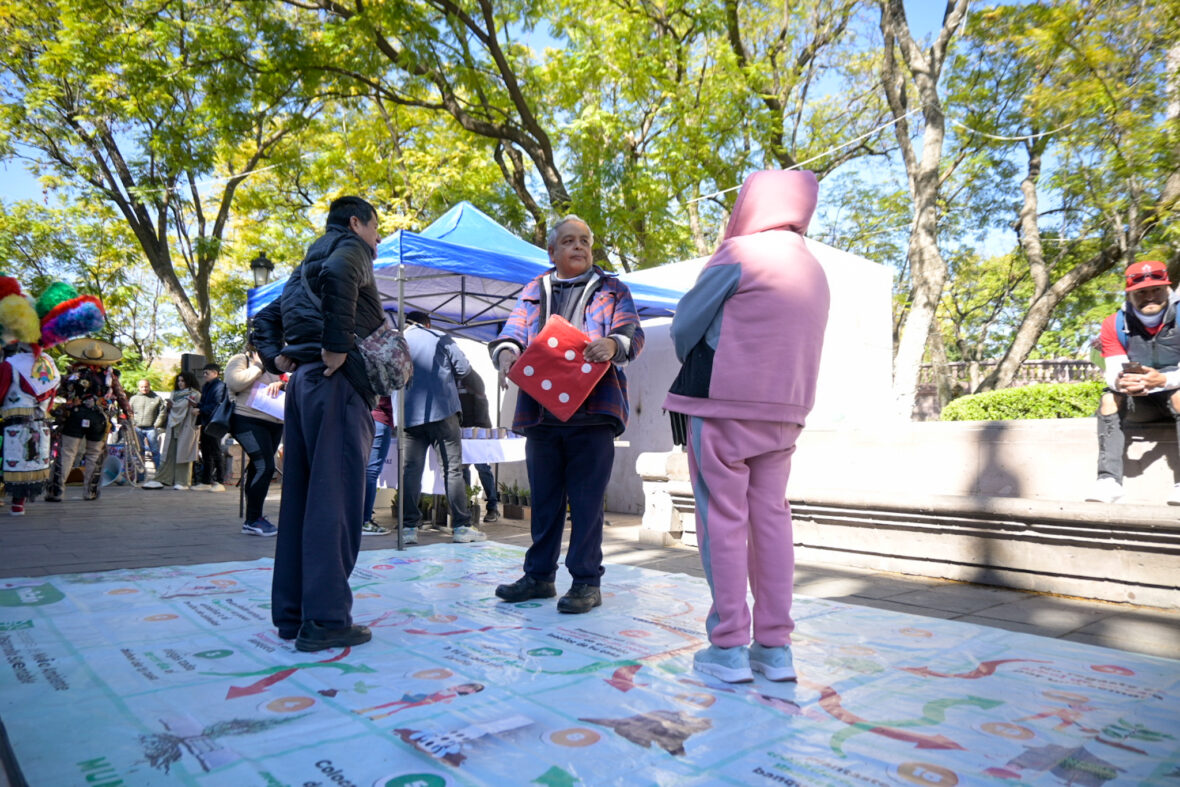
(545, 652)
(214, 654)
(528, 604)
(416, 780)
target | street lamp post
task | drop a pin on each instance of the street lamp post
(262, 268)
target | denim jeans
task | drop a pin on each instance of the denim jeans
(149, 438)
(444, 435)
(383, 437)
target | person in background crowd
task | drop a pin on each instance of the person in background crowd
(149, 411)
(257, 432)
(311, 333)
(473, 399)
(1140, 347)
(570, 461)
(432, 419)
(383, 437)
(213, 393)
(179, 448)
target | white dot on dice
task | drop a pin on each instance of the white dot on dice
(552, 341)
(546, 384)
(563, 398)
(569, 355)
(586, 368)
(528, 371)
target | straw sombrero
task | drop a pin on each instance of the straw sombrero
(95, 352)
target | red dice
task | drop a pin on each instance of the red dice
(553, 371)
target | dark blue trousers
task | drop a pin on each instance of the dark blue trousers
(328, 434)
(568, 464)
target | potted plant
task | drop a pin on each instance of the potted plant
(473, 504)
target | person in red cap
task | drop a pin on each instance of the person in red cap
(1140, 345)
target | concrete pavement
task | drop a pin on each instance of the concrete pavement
(133, 528)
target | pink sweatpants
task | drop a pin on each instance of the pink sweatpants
(739, 479)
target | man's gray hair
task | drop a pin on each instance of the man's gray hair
(557, 225)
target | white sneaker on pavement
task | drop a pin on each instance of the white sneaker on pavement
(1174, 497)
(467, 535)
(201, 487)
(217, 487)
(1108, 490)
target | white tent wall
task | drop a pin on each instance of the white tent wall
(855, 377)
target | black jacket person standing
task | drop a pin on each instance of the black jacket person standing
(328, 428)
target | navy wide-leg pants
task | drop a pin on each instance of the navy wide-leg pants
(328, 434)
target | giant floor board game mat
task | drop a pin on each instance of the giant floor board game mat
(174, 676)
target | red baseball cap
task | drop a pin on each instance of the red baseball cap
(1149, 273)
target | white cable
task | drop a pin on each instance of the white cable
(1010, 139)
(821, 155)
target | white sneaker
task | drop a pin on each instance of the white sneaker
(1108, 490)
(467, 535)
(181, 487)
(153, 485)
(1174, 498)
(217, 488)
(201, 487)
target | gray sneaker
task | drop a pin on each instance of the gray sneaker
(731, 665)
(371, 528)
(467, 535)
(774, 663)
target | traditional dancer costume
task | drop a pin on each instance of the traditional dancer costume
(29, 378)
(87, 386)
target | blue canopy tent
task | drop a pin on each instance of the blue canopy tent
(466, 272)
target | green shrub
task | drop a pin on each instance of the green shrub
(1044, 400)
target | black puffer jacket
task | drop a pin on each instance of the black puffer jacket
(339, 270)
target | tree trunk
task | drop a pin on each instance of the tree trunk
(928, 269)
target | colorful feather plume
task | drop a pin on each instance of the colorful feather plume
(18, 315)
(9, 286)
(73, 318)
(57, 293)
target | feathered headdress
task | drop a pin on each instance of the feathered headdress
(67, 315)
(18, 315)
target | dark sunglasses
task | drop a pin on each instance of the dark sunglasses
(1135, 278)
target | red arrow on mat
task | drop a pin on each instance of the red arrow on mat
(624, 677)
(985, 669)
(830, 701)
(262, 685)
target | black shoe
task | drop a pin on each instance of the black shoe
(313, 636)
(525, 588)
(288, 633)
(580, 598)
(492, 515)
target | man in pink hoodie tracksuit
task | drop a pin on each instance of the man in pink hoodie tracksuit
(749, 335)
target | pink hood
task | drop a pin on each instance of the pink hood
(774, 200)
